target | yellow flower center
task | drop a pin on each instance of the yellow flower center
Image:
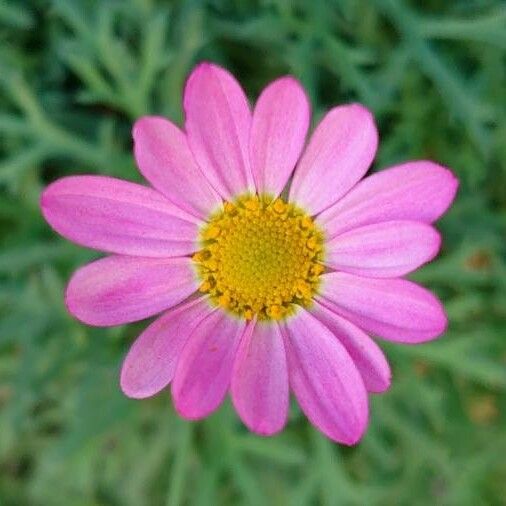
(260, 257)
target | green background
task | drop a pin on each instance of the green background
(74, 75)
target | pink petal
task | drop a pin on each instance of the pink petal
(324, 378)
(116, 290)
(383, 250)
(365, 353)
(165, 160)
(260, 380)
(205, 366)
(117, 216)
(151, 362)
(278, 132)
(395, 309)
(339, 153)
(218, 122)
(419, 191)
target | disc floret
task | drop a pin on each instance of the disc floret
(260, 257)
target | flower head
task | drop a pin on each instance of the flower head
(271, 263)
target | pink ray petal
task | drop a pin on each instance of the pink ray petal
(118, 216)
(419, 191)
(365, 353)
(165, 160)
(204, 367)
(218, 123)
(151, 362)
(116, 289)
(260, 379)
(395, 309)
(324, 378)
(339, 153)
(383, 250)
(279, 128)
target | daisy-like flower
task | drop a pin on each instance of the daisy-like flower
(270, 263)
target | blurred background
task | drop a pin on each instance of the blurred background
(74, 75)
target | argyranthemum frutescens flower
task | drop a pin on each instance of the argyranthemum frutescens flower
(271, 263)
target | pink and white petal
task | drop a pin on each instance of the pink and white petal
(218, 124)
(383, 250)
(365, 353)
(395, 309)
(118, 217)
(418, 191)
(121, 289)
(339, 153)
(151, 362)
(324, 379)
(260, 379)
(165, 160)
(204, 367)
(278, 132)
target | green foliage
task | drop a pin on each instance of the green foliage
(74, 75)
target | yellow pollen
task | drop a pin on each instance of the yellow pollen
(260, 258)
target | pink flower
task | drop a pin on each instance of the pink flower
(268, 278)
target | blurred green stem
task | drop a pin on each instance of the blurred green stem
(177, 479)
